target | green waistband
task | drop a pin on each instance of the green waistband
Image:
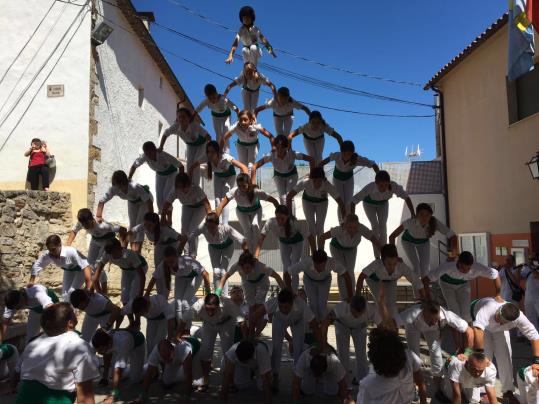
(228, 173)
(106, 236)
(522, 373)
(312, 138)
(170, 170)
(249, 209)
(144, 264)
(138, 337)
(168, 241)
(250, 89)
(371, 201)
(97, 315)
(246, 144)
(52, 295)
(283, 116)
(342, 175)
(7, 351)
(313, 199)
(258, 279)
(472, 308)
(221, 246)
(453, 281)
(196, 205)
(288, 174)
(227, 112)
(296, 238)
(199, 142)
(190, 275)
(195, 345)
(317, 280)
(159, 317)
(375, 278)
(408, 237)
(76, 268)
(335, 243)
(139, 200)
(32, 391)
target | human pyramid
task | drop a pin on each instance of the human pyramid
(60, 365)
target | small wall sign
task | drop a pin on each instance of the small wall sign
(55, 90)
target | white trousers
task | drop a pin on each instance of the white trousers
(136, 212)
(317, 295)
(359, 336)
(315, 215)
(315, 148)
(390, 289)
(243, 374)
(95, 249)
(251, 54)
(345, 190)
(184, 292)
(467, 395)
(498, 345)
(419, 256)
(130, 284)
(278, 330)
(291, 254)
(8, 367)
(221, 185)
(413, 337)
(250, 223)
(377, 215)
(135, 369)
(348, 259)
(220, 262)
(192, 155)
(209, 334)
(284, 185)
(221, 125)
(164, 185)
(457, 298)
(72, 280)
(529, 387)
(90, 324)
(325, 385)
(256, 292)
(156, 331)
(247, 154)
(283, 125)
(250, 99)
(191, 219)
(33, 325)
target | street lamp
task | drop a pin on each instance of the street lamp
(533, 165)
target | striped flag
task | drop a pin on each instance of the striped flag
(521, 41)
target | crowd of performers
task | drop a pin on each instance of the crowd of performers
(61, 364)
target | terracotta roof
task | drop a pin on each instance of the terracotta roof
(138, 27)
(495, 27)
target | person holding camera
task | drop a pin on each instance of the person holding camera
(37, 165)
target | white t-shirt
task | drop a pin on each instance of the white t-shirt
(249, 35)
(223, 166)
(167, 235)
(136, 193)
(252, 85)
(450, 268)
(307, 185)
(417, 231)
(413, 318)
(456, 372)
(163, 161)
(335, 371)
(260, 362)
(243, 200)
(129, 260)
(59, 362)
(36, 295)
(188, 267)
(194, 196)
(226, 312)
(221, 106)
(308, 131)
(348, 166)
(372, 192)
(343, 314)
(224, 233)
(350, 241)
(159, 307)
(123, 343)
(246, 135)
(271, 226)
(485, 319)
(286, 164)
(377, 271)
(286, 109)
(300, 311)
(256, 274)
(306, 265)
(376, 389)
(99, 231)
(191, 134)
(69, 258)
(97, 305)
(182, 350)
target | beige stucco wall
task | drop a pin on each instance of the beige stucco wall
(490, 188)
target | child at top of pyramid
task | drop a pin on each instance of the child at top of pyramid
(250, 35)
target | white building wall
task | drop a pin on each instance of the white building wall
(124, 66)
(58, 53)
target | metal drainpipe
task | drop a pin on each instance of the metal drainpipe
(441, 111)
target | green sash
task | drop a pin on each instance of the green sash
(258, 279)
(522, 373)
(335, 243)
(238, 335)
(288, 174)
(170, 170)
(371, 201)
(453, 281)
(249, 209)
(7, 351)
(169, 241)
(282, 116)
(409, 238)
(229, 173)
(312, 138)
(312, 199)
(195, 345)
(374, 277)
(54, 298)
(76, 268)
(226, 113)
(296, 238)
(106, 236)
(190, 275)
(144, 264)
(342, 175)
(247, 143)
(32, 391)
(196, 205)
(221, 246)
(250, 89)
(199, 142)
(138, 337)
(138, 200)
(472, 308)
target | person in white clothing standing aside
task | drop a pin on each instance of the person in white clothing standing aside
(492, 321)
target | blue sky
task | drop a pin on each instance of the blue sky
(403, 40)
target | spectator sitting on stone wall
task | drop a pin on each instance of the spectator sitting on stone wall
(37, 165)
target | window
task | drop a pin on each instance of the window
(477, 244)
(501, 251)
(140, 96)
(522, 100)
